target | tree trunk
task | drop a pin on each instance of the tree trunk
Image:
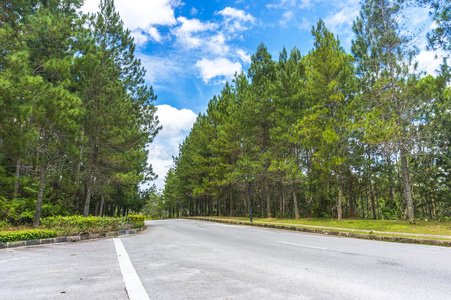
(245, 206)
(16, 179)
(351, 200)
(378, 209)
(363, 207)
(373, 205)
(433, 213)
(295, 203)
(406, 187)
(97, 207)
(340, 198)
(280, 201)
(262, 207)
(102, 204)
(230, 202)
(37, 216)
(88, 195)
(210, 203)
(268, 200)
(283, 203)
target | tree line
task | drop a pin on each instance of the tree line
(75, 113)
(328, 133)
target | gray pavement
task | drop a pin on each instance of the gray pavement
(81, 270)
(186, 259)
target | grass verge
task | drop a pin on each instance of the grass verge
(394, 226)
(421, 236)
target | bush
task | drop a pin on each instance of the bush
(78, 225)
(388, 213)
(136, 220)
(26, 235)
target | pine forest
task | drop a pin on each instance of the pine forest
(323, 134)
(327, 133)
(75, 113)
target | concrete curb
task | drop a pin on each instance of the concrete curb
(75, 238)
(386, 238)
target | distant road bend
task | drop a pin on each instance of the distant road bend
(187, 259)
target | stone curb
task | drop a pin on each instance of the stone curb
(76, 238)
(338, 233)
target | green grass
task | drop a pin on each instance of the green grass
(401, 226)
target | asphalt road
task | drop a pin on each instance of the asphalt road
(184, 259)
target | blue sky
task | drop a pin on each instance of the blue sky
(190, 48)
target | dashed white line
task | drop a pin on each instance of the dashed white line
(135, 289)
(300, 245)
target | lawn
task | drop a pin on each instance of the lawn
(421, 227)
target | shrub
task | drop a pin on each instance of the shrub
(78, 225)
(26, 235)
(136, 220)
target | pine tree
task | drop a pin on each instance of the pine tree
(325, 128)
(119, 113)
(383, 58)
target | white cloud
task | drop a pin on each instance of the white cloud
(141, 16)
(305, 24)
(90, 6)
(161, 69)
(217, 68)
(153, 32)
(305, 4)
(287, 4)
(142, 13)
(340, 20)
(430, 61)
(176, 125)
(293, 13)
(174, 121)
(233, 13)
(139, 37)
(186, 32)
(287, 17)
(193, 25)
(217, 45)
(345, 16)
(245, 58)
(235, 19)
(190, 38)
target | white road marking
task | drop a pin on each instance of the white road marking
(135, 289)
(300, 245)
(171, 227)
(225, 225)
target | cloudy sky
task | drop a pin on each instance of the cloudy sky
(190, 48)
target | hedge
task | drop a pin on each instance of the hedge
(78, 225)
(27, 235)
(136, 220)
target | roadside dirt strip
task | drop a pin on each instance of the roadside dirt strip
(64, 239)
(388, 238)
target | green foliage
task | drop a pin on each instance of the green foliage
(136, 220)
(78, 225)
(27, 235)
(324, 134)
(72, 109)
(440, 35)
